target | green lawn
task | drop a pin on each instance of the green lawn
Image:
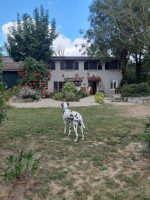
(109, 164)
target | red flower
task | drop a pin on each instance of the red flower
(25, 84)
(26, 78)
(33, 83)
(30, 83)
(34, 74)
(27, 66)
(36, 80)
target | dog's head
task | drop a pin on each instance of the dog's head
(64, 105)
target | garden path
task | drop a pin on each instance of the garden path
(47, 102)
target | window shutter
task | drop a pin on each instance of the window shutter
(76, 66)
(55, 86)
(85, 65)
(62, 65)
(53, 65)
(107, 66)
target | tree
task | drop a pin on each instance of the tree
(32, 36)
(2, 89)
(120, 29)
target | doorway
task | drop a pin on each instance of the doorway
(93, 85)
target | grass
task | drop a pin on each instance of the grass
(107, 165)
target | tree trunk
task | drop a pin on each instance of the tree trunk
(138, 68)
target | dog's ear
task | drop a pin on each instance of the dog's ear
(67, 104)
(62, 105)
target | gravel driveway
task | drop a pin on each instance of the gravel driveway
(87, 101)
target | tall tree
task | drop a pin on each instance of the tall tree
(119, 28)
(32, 36)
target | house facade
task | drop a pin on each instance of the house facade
(86, 73)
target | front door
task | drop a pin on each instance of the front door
(93, 86)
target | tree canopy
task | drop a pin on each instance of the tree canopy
(32, 36)
(120, 29)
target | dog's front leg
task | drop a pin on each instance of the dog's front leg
(69, 128)
(65, 126)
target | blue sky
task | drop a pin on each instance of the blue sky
(70, 15)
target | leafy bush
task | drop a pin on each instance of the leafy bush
(82, 93)
(28, 92)
(15, 89)
(70, 96)
(70, 87)
(59, 96)
(34, 74)
(135, 90)
(2, 115)
(19, 167)
(99, 97)
(70, 92)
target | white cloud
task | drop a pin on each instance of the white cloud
(69, 47)
(61, 43)
(50, 2)
(5, 27)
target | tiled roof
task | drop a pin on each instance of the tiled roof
(76, 58)
(10, 65)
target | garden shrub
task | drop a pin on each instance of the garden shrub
(58, 96)
(19, 167)
(135, 90)
(82, 93)
(70, 96)
(28, 92)
(99, 97)
(16, 89)
(69, 87)
(70, 92)
(34, 74)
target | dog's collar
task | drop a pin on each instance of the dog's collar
(65, 108)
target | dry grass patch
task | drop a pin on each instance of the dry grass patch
(109, 164)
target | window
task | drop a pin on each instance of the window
(62, 65)
(52, 65)
(58, 86)
(112, 65)
(76, 65)
(69, 64)
(85, 65)
(113, 84)
(92, 65)
(55, 86)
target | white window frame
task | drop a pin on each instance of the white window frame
(112, 84)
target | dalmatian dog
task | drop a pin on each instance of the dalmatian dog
(69, 116)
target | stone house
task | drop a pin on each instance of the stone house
(86, 73)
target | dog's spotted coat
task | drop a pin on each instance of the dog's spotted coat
(69, 116)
